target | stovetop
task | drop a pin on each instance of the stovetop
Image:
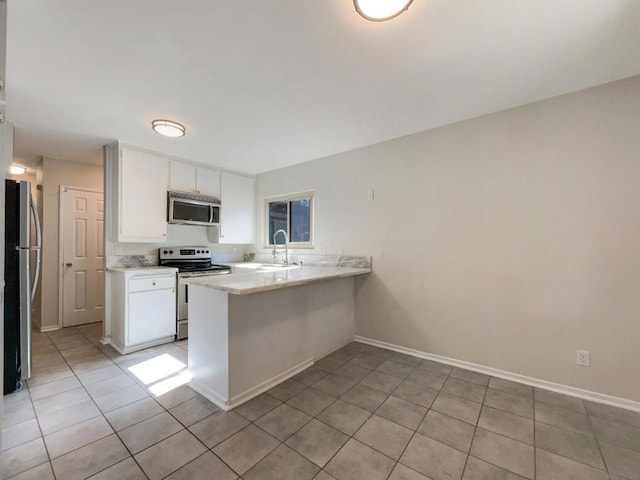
(198, 272)
(191, 261)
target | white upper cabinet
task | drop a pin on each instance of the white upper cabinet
(208, 181)
(182, 176)
(185, 177)
(237, 213)
(142, 196)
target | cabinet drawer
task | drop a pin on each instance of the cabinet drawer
(138, 284)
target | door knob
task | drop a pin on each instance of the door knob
(68, 265)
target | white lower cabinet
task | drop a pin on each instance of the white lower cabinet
(151, 316)
(143, 308)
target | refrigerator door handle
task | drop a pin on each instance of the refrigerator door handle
(24, 210)
(37, 248)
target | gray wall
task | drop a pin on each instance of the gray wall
(509, 240)
(55, 173)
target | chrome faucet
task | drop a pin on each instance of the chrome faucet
(286, 247)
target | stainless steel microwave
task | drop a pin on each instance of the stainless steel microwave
(191, 209)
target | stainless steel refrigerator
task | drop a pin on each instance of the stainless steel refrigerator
(21, 279)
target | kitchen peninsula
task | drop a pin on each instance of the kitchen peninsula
(262, 324)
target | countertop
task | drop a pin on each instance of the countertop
(145, 270)
(246, 279)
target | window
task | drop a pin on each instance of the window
(294, 215)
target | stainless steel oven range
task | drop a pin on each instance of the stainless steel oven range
(190, 262)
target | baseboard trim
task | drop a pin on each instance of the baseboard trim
(515, 377)
(122, 350)
(270, 383)
(50, 328)
(236, 401)
(210, 395)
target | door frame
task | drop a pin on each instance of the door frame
(62, 189)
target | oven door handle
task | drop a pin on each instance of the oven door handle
(186, 294)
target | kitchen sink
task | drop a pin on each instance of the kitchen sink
(263, 267)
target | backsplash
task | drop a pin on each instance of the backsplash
(151, 260)
(353, 261)
(131, 261)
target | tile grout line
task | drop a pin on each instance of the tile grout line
(313, 417)
(103, 416)
(349, 437)
(371, 414)
(41, 436)
(36, 416)
(414, 432)
(156, 443)
(185, 428)
(475, 430)
(55, 476)
(604, 461)
(112, 428)
(535, 448)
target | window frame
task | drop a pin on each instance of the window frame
(267, 242)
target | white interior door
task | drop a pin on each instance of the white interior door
(83, 257)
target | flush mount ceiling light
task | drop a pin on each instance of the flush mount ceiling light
(168, 128)
(381, 10)
(17, 170)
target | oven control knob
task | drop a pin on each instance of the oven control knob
(171, 252)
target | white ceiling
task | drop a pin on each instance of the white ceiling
(262, 84)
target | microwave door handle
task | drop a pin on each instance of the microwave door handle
(210, 213)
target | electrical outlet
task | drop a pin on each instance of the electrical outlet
(583, 358)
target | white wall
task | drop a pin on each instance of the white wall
(57, 172)
(509, 241)
(177, 235)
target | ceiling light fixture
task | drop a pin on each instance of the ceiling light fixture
(381, 10)
(17, 170)
(168, 128)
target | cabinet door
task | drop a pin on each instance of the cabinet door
(208, 181)
(142, 195)
(151, 316)
(237, 213)
(182, 177)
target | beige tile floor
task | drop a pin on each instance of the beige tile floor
(360, 413)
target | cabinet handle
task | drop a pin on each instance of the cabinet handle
(154, 284)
